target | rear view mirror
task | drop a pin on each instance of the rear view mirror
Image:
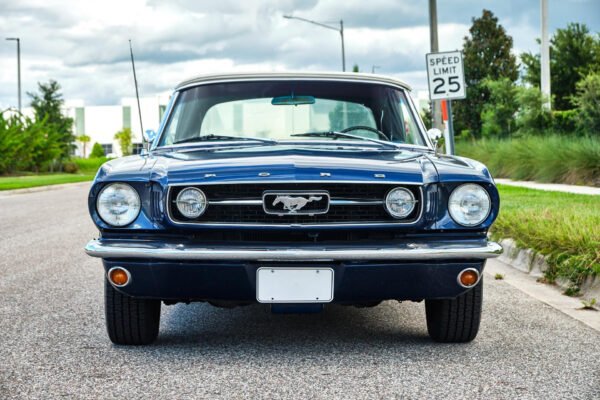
(292, 100)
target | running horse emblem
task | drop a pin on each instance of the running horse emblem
(293, 204)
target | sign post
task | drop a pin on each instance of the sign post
(446, 79)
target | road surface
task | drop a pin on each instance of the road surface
(53, 342)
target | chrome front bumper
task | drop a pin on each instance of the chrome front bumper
(404, 252)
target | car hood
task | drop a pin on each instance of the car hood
(291, 163)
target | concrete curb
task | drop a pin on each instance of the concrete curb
(534, 264)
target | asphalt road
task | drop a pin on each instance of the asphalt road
(53, 342)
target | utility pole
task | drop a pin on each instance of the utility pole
(340, 30)
(374, 67)
(18, 40)
(545, 56)
(433, 37)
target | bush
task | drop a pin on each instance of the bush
(124, 136)
(532, 117)
(588, 102)
(498, 113)
(564, 122)
(70, 167)
(560, 159)
(97, 151)
(89, 166)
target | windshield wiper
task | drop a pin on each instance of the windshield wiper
(336, 135)
(211, 137)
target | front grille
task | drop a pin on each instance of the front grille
(366, 204)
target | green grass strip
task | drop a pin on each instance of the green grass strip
(29, 181)
(564, 227)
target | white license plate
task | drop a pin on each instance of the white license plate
(294, 285)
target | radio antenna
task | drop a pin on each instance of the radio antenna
(137, 93)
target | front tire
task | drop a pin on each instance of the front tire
(455, 320)
(130, 320)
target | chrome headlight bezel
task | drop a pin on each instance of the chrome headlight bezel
(410, 200)
(203, 202)
(133, 205)
(455, 204)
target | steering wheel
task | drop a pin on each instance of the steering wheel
(366, 128)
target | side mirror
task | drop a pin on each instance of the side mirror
(434, 134)
(150, 136)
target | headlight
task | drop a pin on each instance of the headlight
(191, 202)
(400, 202)
(118, 204)
(469, 204)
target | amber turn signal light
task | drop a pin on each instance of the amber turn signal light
(468, 277)
(118, 276)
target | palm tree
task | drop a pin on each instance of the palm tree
(84, 140)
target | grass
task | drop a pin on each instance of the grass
(29, 181)
(553, 158)
(87, 170)
(564, 227)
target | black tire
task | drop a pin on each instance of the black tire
(455, 320)
(130, 320)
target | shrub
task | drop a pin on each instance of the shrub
(70, 167)
(498, 113)
(561, 159)
(587, 100)
(532, 117)
(124, 137)
(564, 122)
(89, 166)
(97, 151)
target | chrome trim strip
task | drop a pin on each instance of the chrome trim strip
(166, 251)
(284, 225)
(333, 202)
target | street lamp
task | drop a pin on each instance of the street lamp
(340, 30)
(18, 40)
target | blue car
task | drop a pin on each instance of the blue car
(296, 191)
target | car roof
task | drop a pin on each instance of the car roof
(261, 76)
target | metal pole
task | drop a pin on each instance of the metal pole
(545, 56)
(433, 37)
(137, 95)
(343, 50)
(450, 145)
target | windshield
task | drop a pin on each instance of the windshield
(285, 110)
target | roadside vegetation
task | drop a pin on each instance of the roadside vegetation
(555, 158)
(564, 227)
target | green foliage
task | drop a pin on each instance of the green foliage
(561, 226)
(355, 68)
(532, 116)
(426, 116)
(89, 166)
(587, 101)
(553, 158)
(47, 106)
(26, 144)
(487, 54)
(499, 112)
(124, 138)
(589, 304)
(574, 53)
(564, 122)
(27, 181)
(97, 151)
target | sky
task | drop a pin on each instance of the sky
(84, 44)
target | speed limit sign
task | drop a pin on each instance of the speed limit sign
(446, 76)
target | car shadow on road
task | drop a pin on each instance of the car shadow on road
(337, 328)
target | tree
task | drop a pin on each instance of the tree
(47, 105)
(355, 68)
(97, 151)
(574, 53)
(587, 101)
(532, 117)
(499, 112)
(125, 138)
(487, 54)
(84, 140)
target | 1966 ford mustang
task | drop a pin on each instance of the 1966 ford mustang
(294, 190)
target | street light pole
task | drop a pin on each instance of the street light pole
(340, 30)
(436, 107)
(18, 40)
